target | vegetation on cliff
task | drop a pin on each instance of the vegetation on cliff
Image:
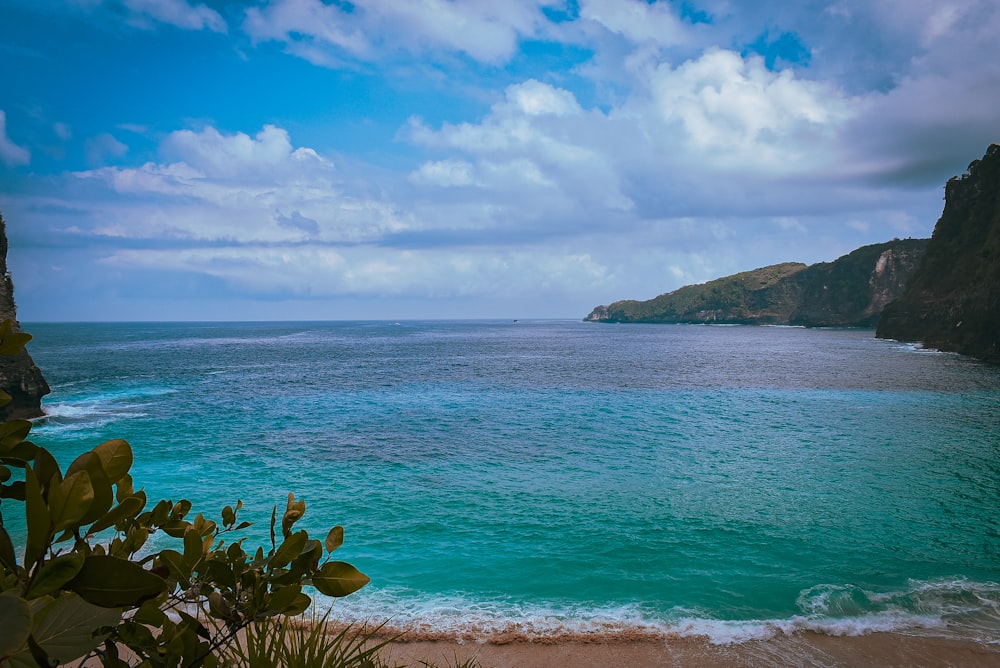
(848, 292)
(20, 378)
(953, 301)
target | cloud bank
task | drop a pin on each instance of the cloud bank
(661, 144)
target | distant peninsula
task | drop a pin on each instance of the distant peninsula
(953, 301)
(848, 292)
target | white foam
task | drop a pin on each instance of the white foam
(954, 608)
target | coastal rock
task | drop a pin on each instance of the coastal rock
(953, 301)
(19, 376)
(848, 292)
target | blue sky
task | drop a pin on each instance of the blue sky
(302, 159)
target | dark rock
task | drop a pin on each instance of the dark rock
(848, 292)
(19, 377)
(953, 301)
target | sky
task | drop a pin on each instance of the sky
(412, 159)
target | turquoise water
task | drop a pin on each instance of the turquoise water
(557, 477)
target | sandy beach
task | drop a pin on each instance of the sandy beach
(807, 649)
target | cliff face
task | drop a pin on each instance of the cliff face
(19, 377)
(953, 301)
(853, 290)
(848, 292)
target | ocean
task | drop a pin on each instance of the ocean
(552, 478)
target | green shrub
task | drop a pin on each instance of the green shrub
(285, 642)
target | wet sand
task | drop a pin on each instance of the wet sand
(807, 649)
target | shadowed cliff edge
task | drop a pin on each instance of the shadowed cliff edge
(953, 301)
(19, 377)
(851, 291)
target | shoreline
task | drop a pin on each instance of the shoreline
(804, 648)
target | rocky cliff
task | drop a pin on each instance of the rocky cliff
(19, 377)
(848, 292)
(953, 301)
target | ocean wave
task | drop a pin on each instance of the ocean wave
(97, 409)
(955, 608)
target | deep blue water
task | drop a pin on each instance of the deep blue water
(735, 481)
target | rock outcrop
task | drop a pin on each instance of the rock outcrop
(953, 301)
(19, 377)
(848, 292)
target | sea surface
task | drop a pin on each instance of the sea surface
(558, 477)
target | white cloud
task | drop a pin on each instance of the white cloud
(734, 110)
(536, 159)
(373, 30)
(11, 154)
(104, 147)
(636, 20)
(657, 153)
(940, 23)
(240, 156)
(62, 130)
(319, 272)
(444, 173)
(177, 13)
(289, 20)
(535, 98)
(238, 188)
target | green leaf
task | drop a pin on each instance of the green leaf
(54, 574)
(283, 598)
(228, 516)
(65, 627)
(175, 528)
(294, 511)
(70, 500)
(150, 613)
(220, 574)
(14, 490)
(308, 558)
(174, 562)
(15, 620)
(125, 489)
(11, 342)
(134, 540)
(338, 578)
(116, 458)
(193, 547)
(13, 432)
(103, 493)
(160, 513)
(180, 509)
(38, 654)
(37, 519)
(289, 549)
(218, 607)
(111, 582)
(5, 398)
(47, 468)
(8, 559)
(126, 508)
(335, 538)
(298, 606)
(274, 514)
(21, 453)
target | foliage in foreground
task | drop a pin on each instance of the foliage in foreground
(84, 585)
(292, 643)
